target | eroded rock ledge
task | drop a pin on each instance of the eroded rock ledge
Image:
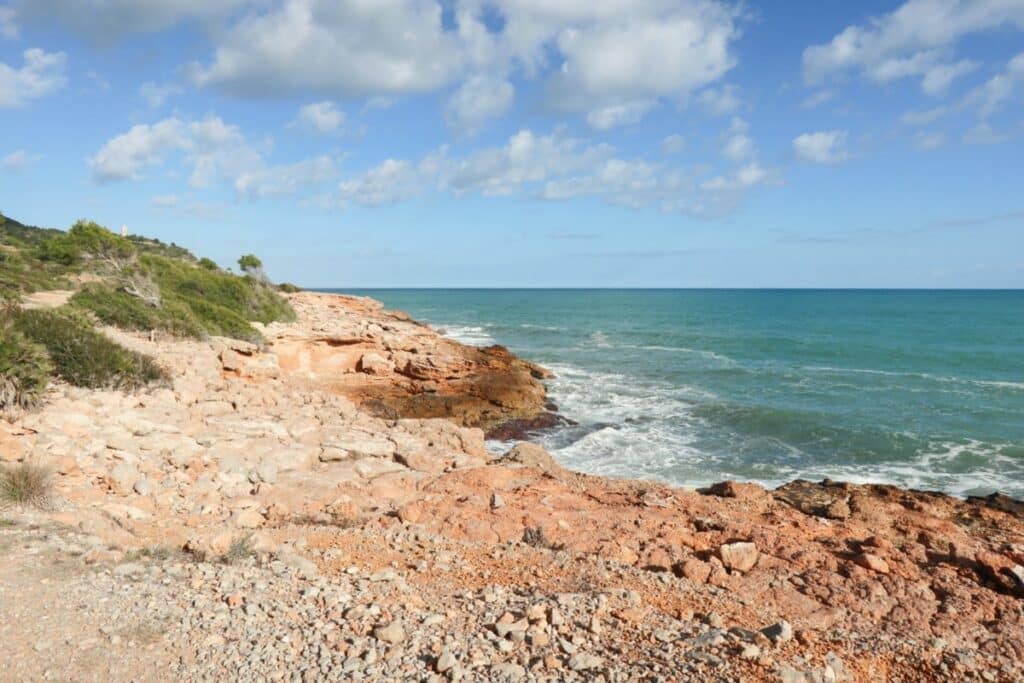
(384, 543)
(394, 367)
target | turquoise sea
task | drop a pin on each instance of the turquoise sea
(919, 388)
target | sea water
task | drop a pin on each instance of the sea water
(923, 389)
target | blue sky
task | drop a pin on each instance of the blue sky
(531, 142)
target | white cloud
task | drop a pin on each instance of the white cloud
(998, 90)
(819, 98)
(388, 183)
(287, 180)
(156, 94)
(720, 101)
(824, 147)
(642, 53)
(478, 100)
(929, 141)
(18, 160)
(211, 150)
(41, 74)
(342, 48)
(673, 144)
(985, 134)
(923, 118)
(913, 40)
(611, 61)
(938, 79)
(619, 114)
(8, 23)
(553, 167)
(164, 201)
(738, 147)
(323, 117)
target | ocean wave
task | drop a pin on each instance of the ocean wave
(1002, 384)
(471, 335)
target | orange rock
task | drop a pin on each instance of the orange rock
(872, 562)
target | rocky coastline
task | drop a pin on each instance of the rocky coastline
(323, 507)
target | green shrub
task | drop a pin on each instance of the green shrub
(208, 264)
(84, 357)
(250, 264)
(24, 370)
(289, 288)
(87, 241)
(120, 309)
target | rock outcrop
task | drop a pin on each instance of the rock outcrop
(369, 527)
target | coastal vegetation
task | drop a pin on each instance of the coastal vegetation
(130, 282)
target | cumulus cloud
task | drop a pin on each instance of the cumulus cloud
(720, 101)
(212, 150)
(390, 182)
(610, 61)
(40, 74)
(914, 40)
(156, 94)
(992, 95)
(667, 51)
(824, 147)
(552, 167)
(18, 160)
(342, 48)
(322, 117)
(479, 99)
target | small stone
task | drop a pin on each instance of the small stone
(872, 562)
(714, 620)
(696, 570)
(144, 486)
(497, 501)
(750, 651)
(391, 633)
(584, 662)
(780, 632)
(838, 509)
(445, 661)
(740, 556)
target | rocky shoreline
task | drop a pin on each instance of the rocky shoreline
(324, 507)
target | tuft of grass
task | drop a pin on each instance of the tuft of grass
(84, 357)
(24, 369)
(535, 536)
(25, 484)
(241, 548)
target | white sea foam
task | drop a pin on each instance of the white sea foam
(1003, 384)
(472, 335)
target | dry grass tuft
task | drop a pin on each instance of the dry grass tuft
(25, 484)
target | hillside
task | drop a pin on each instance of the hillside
(131, 282)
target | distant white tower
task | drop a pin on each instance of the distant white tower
(124, 231)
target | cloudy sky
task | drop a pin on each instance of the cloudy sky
(531, 142)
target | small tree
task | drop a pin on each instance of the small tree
(251, 265)
(208, 264)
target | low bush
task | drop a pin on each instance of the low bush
(288, 288)
(120, 309)
(81, 355)
(24, 370)
(87, 241)
(25, 484)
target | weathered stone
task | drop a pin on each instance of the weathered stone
(740, 556)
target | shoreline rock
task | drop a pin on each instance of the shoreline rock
(301, 490)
